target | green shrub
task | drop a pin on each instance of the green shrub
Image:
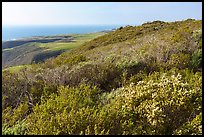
(193, 127)
(196, 61)
(62, 110)
(159, 105)
(179, 60)
(75, 59)
(18, 129)
(12, 118)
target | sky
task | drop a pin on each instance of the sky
(97, 13)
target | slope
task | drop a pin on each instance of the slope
(38, 49)
(135, 80)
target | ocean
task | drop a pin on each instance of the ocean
(16, 32)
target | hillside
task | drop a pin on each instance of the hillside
(136, 80)
(38, 49)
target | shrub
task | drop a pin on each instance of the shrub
(193, 127)
(18, 129)
(13, 116)
(196, 61)
(158, 106)
(179, 60)
(75, 59)
(58, 114)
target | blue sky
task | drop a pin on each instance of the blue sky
(98, 13)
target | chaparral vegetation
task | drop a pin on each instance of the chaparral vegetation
(135, 80)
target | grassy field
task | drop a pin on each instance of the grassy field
(38, 52)
(78, 39)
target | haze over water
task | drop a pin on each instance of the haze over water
(16, 32)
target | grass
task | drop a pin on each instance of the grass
(15, 69)
(85, 37)
(29, 52)
(78, 40)
(59, 46)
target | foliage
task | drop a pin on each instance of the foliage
(136, 80)
(142, 108)
(17, 129)
(12, 117)
(180, 61)
(196, 61)
(193, 127)
(60, 109)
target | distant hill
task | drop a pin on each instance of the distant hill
(14, 43)
(36, 49)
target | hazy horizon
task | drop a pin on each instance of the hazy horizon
(16, 32)
(48, 25)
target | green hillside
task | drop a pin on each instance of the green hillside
(38, 49)
(136, 80)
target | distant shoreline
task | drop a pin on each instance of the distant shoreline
(50, 36)
(19, 32)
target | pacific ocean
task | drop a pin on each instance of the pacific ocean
(16, 32)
